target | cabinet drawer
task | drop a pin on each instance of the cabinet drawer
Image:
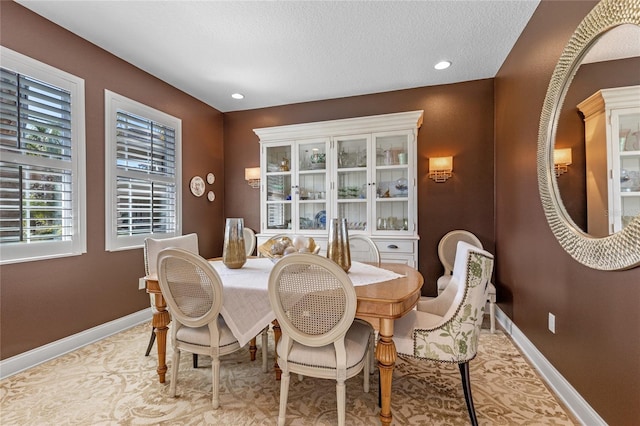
(390, 246)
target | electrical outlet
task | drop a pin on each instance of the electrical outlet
(142, 284)
(552, 323)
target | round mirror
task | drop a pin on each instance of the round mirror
(612, 62)
(565, 200)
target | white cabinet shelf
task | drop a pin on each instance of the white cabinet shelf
(362, 169)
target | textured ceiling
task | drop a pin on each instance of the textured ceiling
(283, 52)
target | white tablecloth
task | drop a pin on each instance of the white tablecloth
(246, 308)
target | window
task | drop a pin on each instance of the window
(143, 170)
(42, 161)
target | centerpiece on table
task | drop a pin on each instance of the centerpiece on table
(275, 248)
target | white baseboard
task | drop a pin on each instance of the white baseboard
(560, 386)
(25, 360)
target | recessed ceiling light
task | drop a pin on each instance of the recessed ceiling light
(237, 96)
(442, 65)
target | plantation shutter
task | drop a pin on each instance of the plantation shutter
(36, 160)
(145, 181)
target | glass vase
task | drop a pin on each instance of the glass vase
(233, 251)
(338, 243)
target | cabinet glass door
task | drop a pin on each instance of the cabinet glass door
(626, 173)
(311, 186)
(278, 187)
(353, 193)
(391, 165)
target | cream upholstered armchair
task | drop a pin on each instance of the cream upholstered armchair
(152, 247)
(193, 291)
(447, 328)
(315, 304)
(447, 254)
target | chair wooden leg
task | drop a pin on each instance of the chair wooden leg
(195, 360)
(151, 340)
(265, 343)
(215, 381)
(492, 314)
(252, 349)
(284, 394)
(341, 399)
(174, 372)
(466, 387)
(367, 368)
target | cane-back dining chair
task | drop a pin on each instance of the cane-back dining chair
(315, 304)
(363, 249)
(193, 291)
(447, 328)
(447, 254)
(189, 242)
(153, 246)
(249, 240)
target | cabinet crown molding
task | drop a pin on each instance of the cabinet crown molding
(368, 124)
(617, 97)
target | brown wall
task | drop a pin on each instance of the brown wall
(596, 346)
(47, 300)
(458, 121)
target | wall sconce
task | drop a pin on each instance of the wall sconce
(252, 176)
(561, 159)
(440, 168)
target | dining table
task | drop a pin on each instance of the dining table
(384, 293)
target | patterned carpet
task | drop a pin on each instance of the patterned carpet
(111, 383)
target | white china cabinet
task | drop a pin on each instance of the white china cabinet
(612, 133)
(362, 169)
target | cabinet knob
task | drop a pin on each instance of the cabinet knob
(392, 246)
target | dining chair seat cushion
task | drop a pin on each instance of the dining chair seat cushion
(403, 329)
(201, 335)
(356, 343)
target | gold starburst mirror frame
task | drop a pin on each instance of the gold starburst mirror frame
(622, 249)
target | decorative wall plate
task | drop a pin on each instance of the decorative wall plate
(197, 186)
(211, 196)
(211, 178)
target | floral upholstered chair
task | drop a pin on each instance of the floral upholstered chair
(447, 328)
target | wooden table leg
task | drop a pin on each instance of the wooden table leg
(253, 349)
(160, 321)
(277, 333)
(386, 355)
